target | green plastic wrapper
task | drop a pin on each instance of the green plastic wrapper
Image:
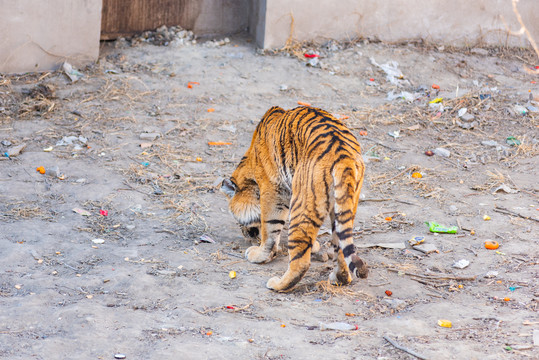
(437, 228)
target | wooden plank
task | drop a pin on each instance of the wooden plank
(128, 17)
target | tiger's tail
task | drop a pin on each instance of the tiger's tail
(348, 179)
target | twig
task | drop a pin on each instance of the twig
(523, 28)
(384, 145)
(406, 350)
(396, 176)
(443, 277)
(509, 212)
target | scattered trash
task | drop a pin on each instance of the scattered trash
(218, 143)
(491, 245)
(395, 134)
(48, 149)
(98, 241)
(210, 110)
(104, 212)
(206, 238)
(445, 323)
(340, 326)
(429, 153)
(229, 128)
(149, 136)
(466, 120)
(513, 288)
(363, 133)
(532, 108)
(486, 217)
(145, 163)
(436, 101)
(519, 109)
(393, 74)
(157, 190)
(436, 87)
(40, 170)
(283, 87)
(491, 274)
(435, 227)
(311, 55)
(82, 212)
(461, 264)
(417, 175)
(198, 159)
(484, 96)
(426, 248)
(73, 74)
(383, 245)
(389, 292)
(313, 62)
(191, 83)
(232, 274)
(304, 103)
(506, 299)
(512, 141)
(416, 240)
(396, 304)
(14, 151)
(403, 95)
(462, 112)
(389, 218)
(442, 152)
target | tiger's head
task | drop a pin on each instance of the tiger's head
(244, 203)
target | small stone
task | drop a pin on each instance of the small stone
(491, 274)
(149, 136)
(479, 51)
(461, 264)
(426, 248)
(442, 152)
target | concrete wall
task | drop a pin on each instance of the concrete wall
(448, 22)
(40, 35)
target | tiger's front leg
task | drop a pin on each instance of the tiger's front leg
(274, 211)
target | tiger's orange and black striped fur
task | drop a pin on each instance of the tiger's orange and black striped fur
(303, 164)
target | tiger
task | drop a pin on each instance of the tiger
(302, 165)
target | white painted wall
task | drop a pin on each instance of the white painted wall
(38, 35)
(447, 22)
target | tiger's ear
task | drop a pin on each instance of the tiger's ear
(228, 187)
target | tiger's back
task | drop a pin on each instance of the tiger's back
(305, 164)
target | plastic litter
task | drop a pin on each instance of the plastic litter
(73, 74)
(426, 248)
(393, 74)
(206, 238)
(437, 228)
(341, 326)
(491, 245)
(445, 323)
(512, 141)
(14, 151)
(389, 292)
(232, 274)
(520, 109)
(416, 240)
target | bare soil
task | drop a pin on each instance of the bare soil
(154, 289)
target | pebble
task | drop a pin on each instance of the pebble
(442, 152)
(461, 264)
(397, 304)
(149, 136)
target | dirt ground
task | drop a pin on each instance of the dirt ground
(143, 280)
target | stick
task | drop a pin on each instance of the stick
(444, 277)
(509, 212)
(400, 347)
(384, 145)
(396, 176)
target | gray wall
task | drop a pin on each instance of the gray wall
(444, 22)
(38, 35)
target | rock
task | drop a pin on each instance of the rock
(396, 304)
(491, 274)
(426, 248)
(442, 152)
(149, 136)
(461, 264)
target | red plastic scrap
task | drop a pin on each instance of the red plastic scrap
(311, 55)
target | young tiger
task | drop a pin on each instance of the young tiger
(303, 164)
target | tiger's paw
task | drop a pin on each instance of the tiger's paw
(274, 283)
(340, 278)
(257, 255)
(316, 247)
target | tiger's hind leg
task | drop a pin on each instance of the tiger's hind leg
(342, 214)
